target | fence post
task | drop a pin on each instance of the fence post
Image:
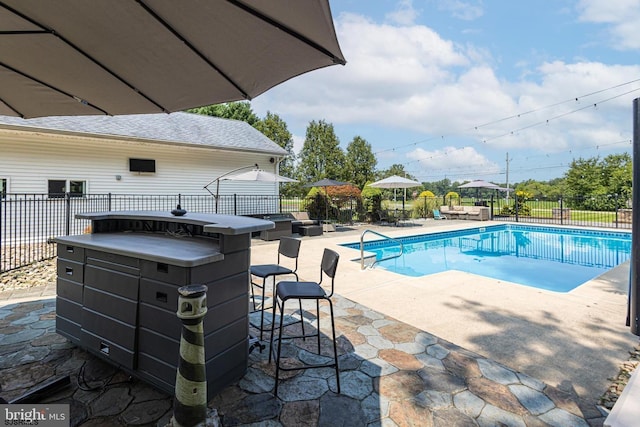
(491, 204)
(235, 204)
(617, 206)
(67, 204)
(561, 210)
(2, 202)
(515, 201)
(425, 208)
(109, 202)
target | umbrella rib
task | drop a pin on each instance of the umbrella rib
(289, 31)
(49, 31)
(11, 108)
(40, 82)
(187, 43)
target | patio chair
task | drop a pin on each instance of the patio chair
(288, 247)
(437, 215)
(286, 291)
(385, 218)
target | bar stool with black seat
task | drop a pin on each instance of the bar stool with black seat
(287, 290)
(289, 248)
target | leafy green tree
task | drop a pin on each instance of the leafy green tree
(395, 169)
(372, 201)
(617, 173)
(274, 128)
(584, 178)
(321, 155)
(360, 162)
(240, 110)
(441, 187)
(537, 189)
(590, 181)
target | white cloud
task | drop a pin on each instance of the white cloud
(621, 16)
(411, 79)
(465, 10)
(459, 164)
(405, 13)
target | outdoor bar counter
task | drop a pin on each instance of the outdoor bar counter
(117, 290)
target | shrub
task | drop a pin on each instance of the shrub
(523, 208)
(371, 201)
(424, 205)
(452, 197)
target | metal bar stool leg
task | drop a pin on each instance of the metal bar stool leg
(318, 322)
(335, 346)
(262, 307)
(275, 392)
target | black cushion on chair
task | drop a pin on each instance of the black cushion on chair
(266, 270)
(301, 290)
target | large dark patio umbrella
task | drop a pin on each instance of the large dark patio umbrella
(326, 182)
(76, 57)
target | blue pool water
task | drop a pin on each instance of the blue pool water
(549, 258)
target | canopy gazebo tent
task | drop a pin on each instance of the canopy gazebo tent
(478, 184)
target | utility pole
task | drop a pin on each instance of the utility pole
(508, 177)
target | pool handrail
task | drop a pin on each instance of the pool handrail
(362, 267)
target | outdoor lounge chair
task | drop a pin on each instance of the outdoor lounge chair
(436, 214)
(385, 218)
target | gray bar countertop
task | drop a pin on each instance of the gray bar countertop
(180, 251)
(213, 223)
(171, 248)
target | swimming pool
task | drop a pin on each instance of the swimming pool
(550, 258)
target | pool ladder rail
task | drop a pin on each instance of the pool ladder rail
(362, 257)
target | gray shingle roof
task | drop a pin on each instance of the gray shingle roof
(176, 128)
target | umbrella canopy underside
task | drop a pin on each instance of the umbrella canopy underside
(77, 57)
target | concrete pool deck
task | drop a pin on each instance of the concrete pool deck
(573, 341)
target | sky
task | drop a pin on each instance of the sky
(498, 90)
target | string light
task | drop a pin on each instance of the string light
(519, 115)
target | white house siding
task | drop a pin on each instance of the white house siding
(28, 160)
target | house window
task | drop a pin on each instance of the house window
(58, 187)
(77, 188)
(3, 188)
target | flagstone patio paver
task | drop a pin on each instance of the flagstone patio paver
(395, 375)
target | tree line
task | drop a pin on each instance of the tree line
(322, 157)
